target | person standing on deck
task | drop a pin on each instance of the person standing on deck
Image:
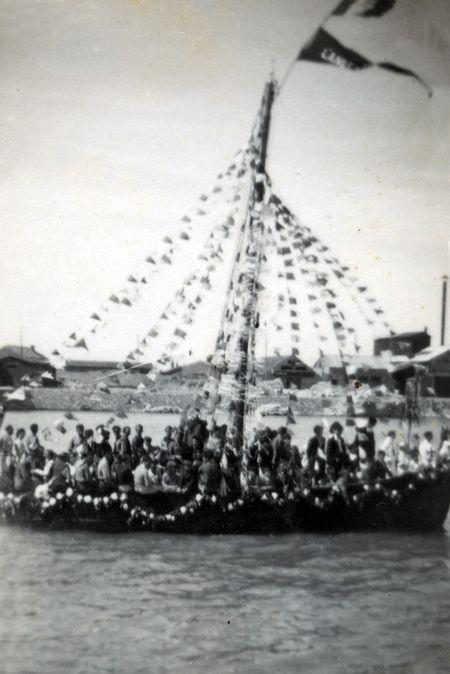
(336, 451)
(19, 446)
(77, 439)
(116, 439)
(124, 442)
(426, 450)
(210, 475)
(82, 473)
(34, 447)
(6, 458)
(315, 455)
(7, 440)
(137, 443)
(389, 447)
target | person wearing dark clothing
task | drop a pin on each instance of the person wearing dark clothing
(368, 434)
(315, 455)
(116, 439)
(210, 475)
(124, 444)
(380, 470)
(336, 452)
(137, 443)
(61, 474)
(122, 473)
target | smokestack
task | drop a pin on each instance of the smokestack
(443, 308)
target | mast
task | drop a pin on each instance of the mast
(254, 231)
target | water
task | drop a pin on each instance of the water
(352, 603)
(154, 424)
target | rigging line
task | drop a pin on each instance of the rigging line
(132, 367)
(230, 285)
(366, 311)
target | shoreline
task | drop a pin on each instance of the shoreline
(175, 401)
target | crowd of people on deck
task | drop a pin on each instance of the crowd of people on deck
(191, 456)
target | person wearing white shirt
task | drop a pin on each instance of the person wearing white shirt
(426, 450)
(103, 469)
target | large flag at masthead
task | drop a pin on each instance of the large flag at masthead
(325, 48)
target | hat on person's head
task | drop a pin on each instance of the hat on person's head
(336, 426)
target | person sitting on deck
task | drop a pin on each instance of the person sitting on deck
(170, 478)
(187, 474)
(336, 452)
(210, 475)
(143, 483)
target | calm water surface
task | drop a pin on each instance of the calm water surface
(353, 603)
(154, 603)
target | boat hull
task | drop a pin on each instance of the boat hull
(411, 503)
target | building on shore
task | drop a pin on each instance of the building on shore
(372, 370)
(24, 363)
(403, 344)
(436, 373)
(88, 372)
(291, 371)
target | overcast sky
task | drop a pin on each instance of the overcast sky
(116, 114)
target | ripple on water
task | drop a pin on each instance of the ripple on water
(350, 603)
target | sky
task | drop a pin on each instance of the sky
(116, 114)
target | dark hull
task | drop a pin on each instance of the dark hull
(410, 502)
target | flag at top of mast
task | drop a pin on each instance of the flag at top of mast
(323, 47)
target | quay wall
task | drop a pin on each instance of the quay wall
(129, 400)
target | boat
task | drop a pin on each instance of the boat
(410, 502)
(413, 501)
